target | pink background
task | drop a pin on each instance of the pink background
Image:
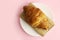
(10, 28)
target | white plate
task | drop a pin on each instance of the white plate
(28, 28)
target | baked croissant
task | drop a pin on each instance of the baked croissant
(36, 18)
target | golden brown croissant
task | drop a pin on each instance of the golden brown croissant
(37, 19)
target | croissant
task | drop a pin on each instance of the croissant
(37, 19)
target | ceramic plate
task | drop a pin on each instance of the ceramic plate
(27, 28)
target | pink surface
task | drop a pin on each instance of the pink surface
(10, 28)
